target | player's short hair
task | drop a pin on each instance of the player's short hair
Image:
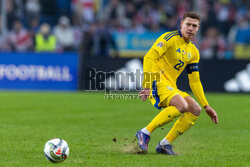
(192, 15)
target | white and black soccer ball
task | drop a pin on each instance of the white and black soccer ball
(56, 150)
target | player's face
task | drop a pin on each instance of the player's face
(189, 27)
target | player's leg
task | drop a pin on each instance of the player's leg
(165, 116)
(176, 106)
(181, 125)
(165, 96)
(193, 106)
(181, 105)
(186, 121)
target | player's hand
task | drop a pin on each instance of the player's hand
(144, 94)
(211, 112)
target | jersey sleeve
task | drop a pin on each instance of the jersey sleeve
(194, 80)
(156, 51)
(162, 44)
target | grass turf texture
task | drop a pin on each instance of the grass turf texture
(101, 132)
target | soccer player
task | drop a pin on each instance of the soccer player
(169, 56)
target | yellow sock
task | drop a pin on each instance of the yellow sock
(181, 126)
(165, 116)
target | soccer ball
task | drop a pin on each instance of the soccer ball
(56, 150)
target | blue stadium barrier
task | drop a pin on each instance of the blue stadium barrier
(39, 71)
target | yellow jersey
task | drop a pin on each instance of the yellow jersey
(169, 56)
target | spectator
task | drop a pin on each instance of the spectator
(137, 27)
(34, 29)
(32, 8)
(213, 45)
(183, 6)
(48, 12)
(97, 41)
(222, 14)
(3, 38)
(171, 23)
(85, 8)
(240, 32)
(64, 34)
(114, 14)
(19, 38)
(147, 16)
(34, 25)
(78, 31)
(129, 14)
(87, 43)
(208, 16)
(239, 38)
(103, 41)
(11, 13)
(44, 40)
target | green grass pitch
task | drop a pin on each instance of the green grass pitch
(101, 132)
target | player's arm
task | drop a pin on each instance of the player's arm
(148, 61)
(195, 83)
(155, 52)
(197, 89)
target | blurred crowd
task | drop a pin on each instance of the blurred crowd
(87, 25)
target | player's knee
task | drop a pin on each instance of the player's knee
(183, 107)
(196, 110)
